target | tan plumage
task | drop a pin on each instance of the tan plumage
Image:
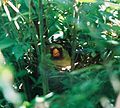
(63, 60)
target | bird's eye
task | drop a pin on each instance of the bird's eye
(56, 52)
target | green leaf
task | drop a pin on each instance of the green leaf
(21, 73)
(6, 42)
(19, 50)
(87, 1)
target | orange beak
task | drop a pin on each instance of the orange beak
(56, 52)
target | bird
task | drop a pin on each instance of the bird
(60, 57)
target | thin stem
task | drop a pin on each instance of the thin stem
(76, 17)
(42, 50)
(26, 87)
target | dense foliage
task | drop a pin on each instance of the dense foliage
(87, 34)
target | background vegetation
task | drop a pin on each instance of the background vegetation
(88, 30)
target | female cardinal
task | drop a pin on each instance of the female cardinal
(60, 57)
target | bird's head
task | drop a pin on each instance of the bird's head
(56, 53)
